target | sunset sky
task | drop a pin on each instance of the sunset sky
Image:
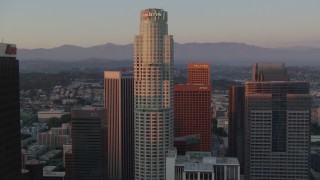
(51, 23)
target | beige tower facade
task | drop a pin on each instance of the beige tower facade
(153, 94)
(119, 139)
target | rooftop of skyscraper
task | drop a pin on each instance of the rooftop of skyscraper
(269, 72)
(201, 157)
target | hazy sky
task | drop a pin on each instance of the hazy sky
(51, 23)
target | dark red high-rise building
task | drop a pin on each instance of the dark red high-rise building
(198, 73)
(192, 113)
(192, 106)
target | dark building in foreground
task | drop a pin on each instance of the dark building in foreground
(86, 160)
(236, 124)
(277, 121)
(35, 169)
(10, 153)
(120, 124)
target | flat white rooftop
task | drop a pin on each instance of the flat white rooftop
(198, 167)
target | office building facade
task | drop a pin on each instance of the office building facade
(192, 113)
(199, 73)
(192, 109)
(236, 124)
(153, 94)
(277, 125)
(10, 145)
(120, 124)
(85, 161)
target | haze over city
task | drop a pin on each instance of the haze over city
(178, 90)
(46, 24)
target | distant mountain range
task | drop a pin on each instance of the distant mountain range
(87, 65)
(214, 53)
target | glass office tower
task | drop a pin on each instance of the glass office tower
(277, 125)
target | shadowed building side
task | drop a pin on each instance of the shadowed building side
(236, 124)
(120, 124)
(86, 160)
(10, 145)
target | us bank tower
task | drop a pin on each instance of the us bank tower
(153, 94)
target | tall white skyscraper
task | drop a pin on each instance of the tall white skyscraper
(153, 94)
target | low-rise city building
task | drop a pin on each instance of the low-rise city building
(45, 115)
(55, 137)
(223, 122)
(201, 165)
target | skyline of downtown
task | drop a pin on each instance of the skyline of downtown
(268, 24)
(153, 107)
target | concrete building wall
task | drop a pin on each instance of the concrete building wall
(170, 164)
